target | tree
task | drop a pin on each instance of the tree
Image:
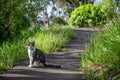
(10, 11)
(7, 7)
(33, 9)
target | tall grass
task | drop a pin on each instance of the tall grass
(48, 39)
(101, 60)
(52, 39)
(11, 53)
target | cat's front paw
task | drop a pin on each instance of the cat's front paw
(30, 66)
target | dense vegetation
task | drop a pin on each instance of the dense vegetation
(101, 60)
(12, 19)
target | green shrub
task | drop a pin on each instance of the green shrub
(12, 19)
(88, 15)
(102, 56)
(19, 22)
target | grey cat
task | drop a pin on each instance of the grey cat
(36, 56)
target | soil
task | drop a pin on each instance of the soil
(69, 61)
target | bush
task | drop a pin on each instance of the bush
(102, 56)
(88, 15)
(13, 19)
(19, 23)
(13, 24)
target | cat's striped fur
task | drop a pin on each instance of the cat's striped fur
(36, 56)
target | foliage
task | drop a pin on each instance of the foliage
(102, 56)
(32, 8)
(47, 39)
(108, 7)
(58, 20)
(69, 5)
(18, 15)
(12, 18)
(53, 38)
(88, 15)
(18, 22)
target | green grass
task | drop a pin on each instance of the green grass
(47, 39)
(11, 53)
(52, 39)
(101, 60)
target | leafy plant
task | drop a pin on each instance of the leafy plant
(88, 15)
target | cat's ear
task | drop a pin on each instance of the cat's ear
(33, 42)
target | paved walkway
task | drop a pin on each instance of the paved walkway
(69, 61)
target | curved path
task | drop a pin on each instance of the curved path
(69, 60)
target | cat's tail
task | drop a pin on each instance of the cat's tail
(52, 66)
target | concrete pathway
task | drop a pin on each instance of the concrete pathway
(69, 61)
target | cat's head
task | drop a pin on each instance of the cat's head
(31, 45)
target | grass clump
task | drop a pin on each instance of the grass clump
(47, 39)
(52, 39)
(101, 60)
(11, 53)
